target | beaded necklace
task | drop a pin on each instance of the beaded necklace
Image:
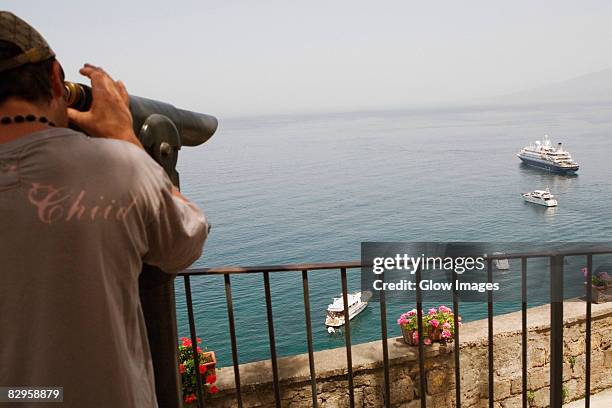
(7, 120)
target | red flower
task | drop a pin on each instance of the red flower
(186, 342)
(199, 349)
(211, 379)
(202, 368)
(214, 389)
(190, 398)
(199, 340)
(182, 368)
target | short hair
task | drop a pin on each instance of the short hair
(30, 82)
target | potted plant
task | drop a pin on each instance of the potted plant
(601, 291)
(207, 368)
(438, 326)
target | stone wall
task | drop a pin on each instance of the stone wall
(332, 384)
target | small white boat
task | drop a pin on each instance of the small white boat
(335, 311)
(501, 264)
(541, 197)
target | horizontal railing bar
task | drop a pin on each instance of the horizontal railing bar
(357, 264)
(273, 268)
(548, 254)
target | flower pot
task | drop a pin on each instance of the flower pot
(435, 334)
(211, 361)
(409, 336)
(601, 294)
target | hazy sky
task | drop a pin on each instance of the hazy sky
(233, 58)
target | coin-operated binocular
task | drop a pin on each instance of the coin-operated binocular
(161, 128)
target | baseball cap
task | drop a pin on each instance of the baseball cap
(33, 46)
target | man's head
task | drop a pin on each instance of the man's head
(29, 71)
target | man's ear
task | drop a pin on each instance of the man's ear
(57, 80)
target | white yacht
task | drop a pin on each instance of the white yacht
(335, 311)
(541, 197)
(543, 155)
(501, 264)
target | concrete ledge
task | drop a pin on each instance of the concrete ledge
(328, 363)
(600, 400)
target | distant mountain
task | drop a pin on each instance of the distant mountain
(593, 87)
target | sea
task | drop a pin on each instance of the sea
(311, 188)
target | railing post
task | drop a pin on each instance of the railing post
(524, 337)
(159, 310)
(556, 331)
(587, 353)
(420, 328)
(490, 346)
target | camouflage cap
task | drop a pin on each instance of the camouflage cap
(33, 46)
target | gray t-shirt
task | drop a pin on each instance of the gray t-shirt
(78, 216)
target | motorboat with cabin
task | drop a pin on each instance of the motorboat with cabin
(335, 311)
(541, 197)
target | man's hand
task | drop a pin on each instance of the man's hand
(109, 116)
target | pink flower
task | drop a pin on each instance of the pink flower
(199, 349)
(402, 321)
(446, 325)
(427, 341)
(186, 342)
(433, 311)
(415, 336)
(444, 309)
(446, 334)
(434, 322)
(411, 313)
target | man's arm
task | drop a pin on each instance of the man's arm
(178, 228)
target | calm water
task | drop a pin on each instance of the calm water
(310, 189)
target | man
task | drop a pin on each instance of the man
(78, 216)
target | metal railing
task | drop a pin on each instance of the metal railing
(556, 320)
